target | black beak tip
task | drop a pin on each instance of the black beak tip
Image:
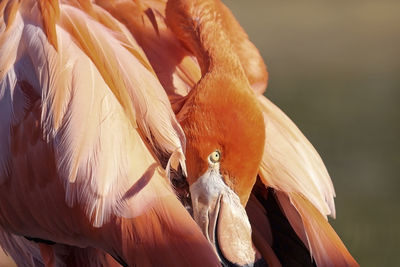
(260, 263)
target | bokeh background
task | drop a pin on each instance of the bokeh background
(335, 70)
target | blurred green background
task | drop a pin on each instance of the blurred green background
(335, 70)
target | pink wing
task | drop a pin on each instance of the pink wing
(87, 130)
(98, 103)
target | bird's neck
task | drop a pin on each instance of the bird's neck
(198, 26)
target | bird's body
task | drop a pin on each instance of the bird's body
(101, 100)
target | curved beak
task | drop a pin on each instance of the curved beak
(223, 220)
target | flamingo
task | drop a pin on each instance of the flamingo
(136, 133)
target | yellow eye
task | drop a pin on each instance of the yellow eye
(215, 156)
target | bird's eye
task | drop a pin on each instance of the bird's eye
(215, 156)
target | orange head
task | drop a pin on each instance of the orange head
(224, 124)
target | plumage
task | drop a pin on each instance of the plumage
(103, 101)
(291, 164)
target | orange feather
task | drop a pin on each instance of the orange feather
(50, 10)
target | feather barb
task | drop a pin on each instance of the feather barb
(50, 10)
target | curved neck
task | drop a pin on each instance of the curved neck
(198, 26)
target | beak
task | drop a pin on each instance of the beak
(223, 220)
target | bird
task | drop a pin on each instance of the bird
(136, 133)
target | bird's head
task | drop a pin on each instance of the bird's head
(225, 135)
